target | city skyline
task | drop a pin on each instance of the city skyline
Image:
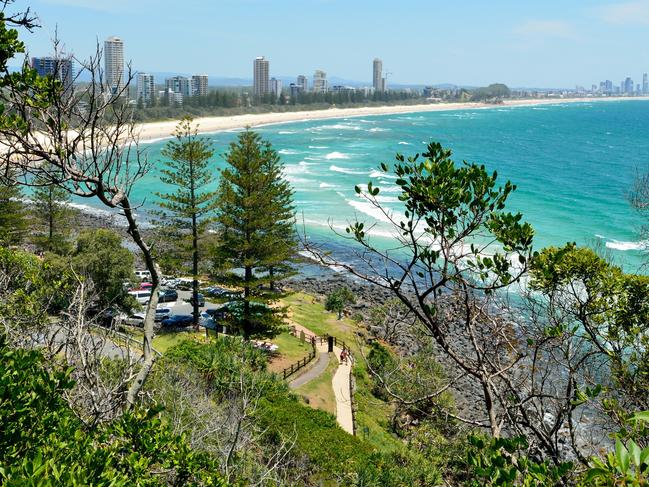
(557, 46)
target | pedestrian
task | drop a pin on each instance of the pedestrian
(343, 357)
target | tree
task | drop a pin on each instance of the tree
(100, 256)
(52, 211)
(13, 225)
(75, 137)
(339, 299)
(186, 212)
(250, 220)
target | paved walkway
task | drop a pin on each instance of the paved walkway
(340, 382)
(319, 367)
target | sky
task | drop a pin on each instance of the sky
(523, 43)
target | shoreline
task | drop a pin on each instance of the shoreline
(151, 132)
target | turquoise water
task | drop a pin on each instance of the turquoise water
(573, 164)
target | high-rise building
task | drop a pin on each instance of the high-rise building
(377, 78)
(628, 86)
(145, 88)
(261, 81)
(645, 84)
(320, 82)
(179, 84)
(303, 83)
(276, 86)
(608, 87)
(61, 69)
(114, 64)
(199, 85)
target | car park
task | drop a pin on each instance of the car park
(207, 321)
(214, 291)
(177, 320)
(167, 295)
(184, 284)
(143, 275)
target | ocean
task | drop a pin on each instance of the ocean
(573, 165)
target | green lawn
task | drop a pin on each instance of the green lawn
(318, 393)
(291, 349)
(164, 341)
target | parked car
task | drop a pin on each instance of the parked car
(141, 296)
(162, 313)
(177, 320)
(167, 296)
(207, 321)
(214, 291)
(143, 275)
(146, 285)
(136, 319)
(201, 300)
(184, 284)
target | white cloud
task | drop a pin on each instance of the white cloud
(557, 29)
(635, 12)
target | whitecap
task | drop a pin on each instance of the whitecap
(404, 143)
(338, 126)
(385, 215)
(345, 170)
(381, 175)
(624, 246)
(318, 147)
(336, 155)
(286, 132)
(287, 152)
(378, 129)
(327, 185)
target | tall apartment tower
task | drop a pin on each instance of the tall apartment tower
(199, 85)
(61, 69)
(645, 84)
(261, 80)
(377, 78)
(179, 84)
(276, 86)
(320, 82)
(145, 88)
(114, 64)
(303, 83)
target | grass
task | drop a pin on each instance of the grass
(318, 393)
(164, 341)
(291, 349)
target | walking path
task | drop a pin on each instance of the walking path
(340, 382)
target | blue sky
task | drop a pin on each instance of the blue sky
(547, 43)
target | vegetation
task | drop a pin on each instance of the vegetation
(339, 299)
(255, 217)
(13, 223)
(51, 210)
(185, 213)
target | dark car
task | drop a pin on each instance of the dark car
(177, 320)
(168, 295)
(201, 300)
(214, 291)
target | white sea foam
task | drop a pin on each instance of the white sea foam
(336, 155)
(318, 147)
(624, 246)
(381, 175)
(378, 129)
(369, 209)
(338, 126)
(327, 185)
(404, 143)
(344, 170)
(287, 152)
(286, 132)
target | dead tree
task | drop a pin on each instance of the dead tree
(81, 138)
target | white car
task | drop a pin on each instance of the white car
(141, 297)
(162, 313)
(143, 275)
(136, 319)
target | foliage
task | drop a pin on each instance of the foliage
(185, 212)
(13, 223)
(503, 462)
(52, 212)
(628, 464)
(606, 306)
(254, 212)
(495, 91)
(100, 256)
(43, 443)
(339, 299)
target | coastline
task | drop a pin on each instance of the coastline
(154, 131)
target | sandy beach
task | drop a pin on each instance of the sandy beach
(152, 131)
